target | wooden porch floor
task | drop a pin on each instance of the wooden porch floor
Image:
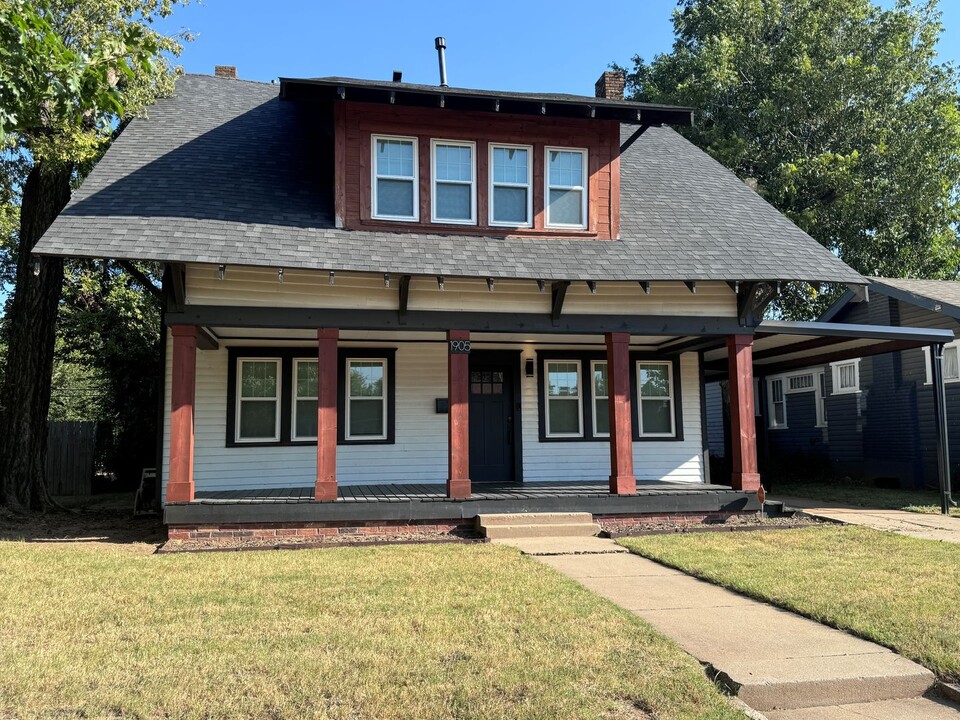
(400, 493)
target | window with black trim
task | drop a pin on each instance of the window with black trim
(272, 396)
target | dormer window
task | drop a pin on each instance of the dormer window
(511, 185)
(454, 182)
(566, 192)
(395, 185)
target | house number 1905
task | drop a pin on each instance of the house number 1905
(459, 347)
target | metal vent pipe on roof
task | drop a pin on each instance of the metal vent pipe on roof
(441, 45)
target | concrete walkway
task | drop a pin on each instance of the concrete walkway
(920, 525)
(771, 659)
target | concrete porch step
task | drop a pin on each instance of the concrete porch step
(529, 518)
(537, 525)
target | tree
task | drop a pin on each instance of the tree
(838, 112)
(73, 71)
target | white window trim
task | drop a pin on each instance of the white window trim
(528, 186)
(347, 398)
(797, 391)
(585, 178)
(835, 377)
(240, 400)
(771, 409)
(926, 363)
(434, 142)
(595, 397)
(293, 402)
(546, 397)
(820, 398)
(673, 406)
(415, 179)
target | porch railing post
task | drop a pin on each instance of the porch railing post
(458, 418)
(182, 397)
(327, 369)
(940, 420)
(622, 479)
(743, 428)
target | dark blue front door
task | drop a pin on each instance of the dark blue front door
(491, 423)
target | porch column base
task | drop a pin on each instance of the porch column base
(748, 482)
(181, 492)
(623, 485)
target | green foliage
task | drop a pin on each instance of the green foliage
(839, 112)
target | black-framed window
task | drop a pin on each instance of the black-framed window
(656, 402)
(272, 396)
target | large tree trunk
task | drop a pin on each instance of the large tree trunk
(32, 324)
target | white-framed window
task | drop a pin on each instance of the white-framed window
(453, 195)
(951, 362)
(800, 383)
(601, 398)
(846, 377)
(655, 391)
(258, 400)
(511, 185)
(564, 398)
(821, 398)
(366, 399)
(777, 401)
(303, 424)
(566, 187)
(394, 185)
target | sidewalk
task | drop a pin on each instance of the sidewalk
(920, 525)
(776, 662)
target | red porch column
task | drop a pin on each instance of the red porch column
(182, 394)
(458, 420)
(743, 428)
(328, 367)
(622, 479)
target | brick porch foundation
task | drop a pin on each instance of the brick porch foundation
(625, 523)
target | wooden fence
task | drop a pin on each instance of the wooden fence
(70, 448)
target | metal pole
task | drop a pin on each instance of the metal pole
(940, 421)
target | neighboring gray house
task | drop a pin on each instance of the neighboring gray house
(871, 418)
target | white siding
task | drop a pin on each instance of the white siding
(420, 451)
(306, 288)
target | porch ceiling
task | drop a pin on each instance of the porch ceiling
(780, 346)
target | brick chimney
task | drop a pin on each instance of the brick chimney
(230, 71)
(610, 85)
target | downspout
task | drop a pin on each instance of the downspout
(940, 421)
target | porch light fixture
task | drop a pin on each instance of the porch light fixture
(221, 271)
(332, 277)
(440, 282)
(386, 280)
(280, 275)
(592, 284)
(528, 368)
(490, 284)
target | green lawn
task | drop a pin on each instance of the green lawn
(898, 591)
(429, 631)
(922, 501)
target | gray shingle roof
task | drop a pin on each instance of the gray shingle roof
(223, 172)
(944, 295)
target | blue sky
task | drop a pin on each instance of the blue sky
(518, 45)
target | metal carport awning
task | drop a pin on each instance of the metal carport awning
(781, 346)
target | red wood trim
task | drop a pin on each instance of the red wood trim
(593, 187)
(458, 420)
(482, 161)
(615, 189)
(743, 428)
(425, 172)
(622, 479)
(365, 183)
(340, 163)
(182, 397)
(539, 189)
(326, 485)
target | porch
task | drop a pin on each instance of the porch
(429, 501)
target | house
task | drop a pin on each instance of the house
(393, 305)
(871, 418)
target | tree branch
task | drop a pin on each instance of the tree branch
(141, 278)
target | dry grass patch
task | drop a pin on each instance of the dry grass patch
(899, 591)
(388, 632)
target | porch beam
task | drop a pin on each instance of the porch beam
(458, 416)
(404, 294)
(743, 428)
(622, 479)
(325, 487)
(183, 387)
(441, 321)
